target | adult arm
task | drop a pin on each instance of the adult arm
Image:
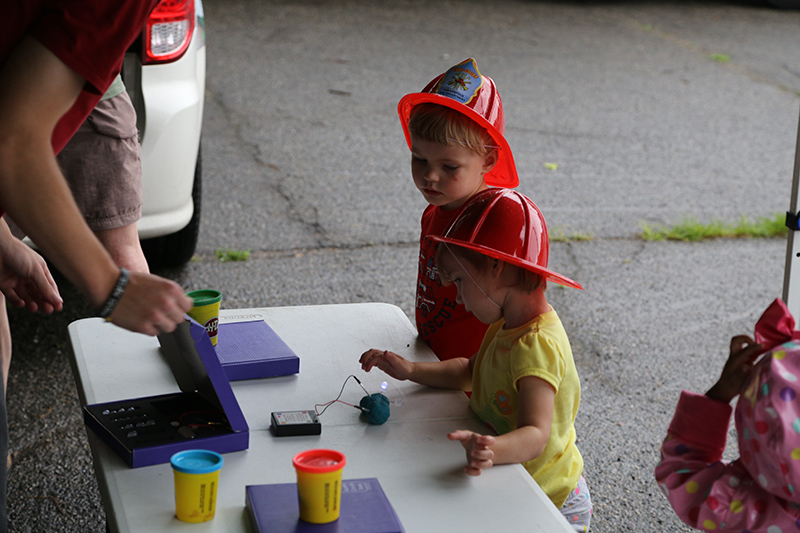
(36, 90)
(25, 279)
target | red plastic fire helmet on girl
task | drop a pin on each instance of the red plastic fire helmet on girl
(464, 89)
(507, 225)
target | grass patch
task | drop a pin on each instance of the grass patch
(232, 255)
(720, 58)
(691, 230)
(558, 235)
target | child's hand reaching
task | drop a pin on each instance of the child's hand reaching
(744, 352)
(389, 362)
(479, 456)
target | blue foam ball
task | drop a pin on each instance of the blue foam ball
(378, 406)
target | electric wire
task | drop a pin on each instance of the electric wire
(335, 400)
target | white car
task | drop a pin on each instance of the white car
(165, 74)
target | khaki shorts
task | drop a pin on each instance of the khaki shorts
(103, 166)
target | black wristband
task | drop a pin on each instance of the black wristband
(116, 293)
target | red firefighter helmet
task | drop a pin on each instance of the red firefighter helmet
(464, 89)
(507, 225)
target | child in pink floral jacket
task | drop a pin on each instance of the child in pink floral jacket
(759, 491)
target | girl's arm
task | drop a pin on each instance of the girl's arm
(706, 492)
(536, 400)
(451, 374)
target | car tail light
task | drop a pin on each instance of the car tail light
(168, 31)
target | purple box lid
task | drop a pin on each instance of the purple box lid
(204, 375)
(365, 509)
(141, 430)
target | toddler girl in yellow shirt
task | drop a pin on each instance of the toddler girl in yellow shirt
(523, 379)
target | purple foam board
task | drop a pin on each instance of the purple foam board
(364, 509)
(251, 349)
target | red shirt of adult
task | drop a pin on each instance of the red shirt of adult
(89, 36)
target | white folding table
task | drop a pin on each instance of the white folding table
(420, 470)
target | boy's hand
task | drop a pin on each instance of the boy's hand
(391, 363)
(479, 456)
(744, 352)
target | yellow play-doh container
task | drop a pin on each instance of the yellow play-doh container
(196, 481)
(205, 310)
(319, 484)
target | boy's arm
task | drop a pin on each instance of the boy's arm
(451, 374)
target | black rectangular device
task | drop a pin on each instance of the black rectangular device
(204, 414)
(293, 423)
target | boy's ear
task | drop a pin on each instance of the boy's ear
(490, 160)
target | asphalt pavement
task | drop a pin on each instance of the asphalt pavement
(619, 114)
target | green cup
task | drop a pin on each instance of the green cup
(206, 310)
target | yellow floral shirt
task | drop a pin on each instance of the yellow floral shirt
(539, 348)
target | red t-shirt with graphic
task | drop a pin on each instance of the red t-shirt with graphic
(449, 329)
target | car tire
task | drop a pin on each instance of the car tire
(177, 249)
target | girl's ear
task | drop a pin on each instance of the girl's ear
(497, 268)
(490, 160)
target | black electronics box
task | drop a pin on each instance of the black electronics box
(294, 423)
(205, 414)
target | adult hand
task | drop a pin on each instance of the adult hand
(743, 353)
(151, 305)
(479, 456)
(391, 363)
(25, 279)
